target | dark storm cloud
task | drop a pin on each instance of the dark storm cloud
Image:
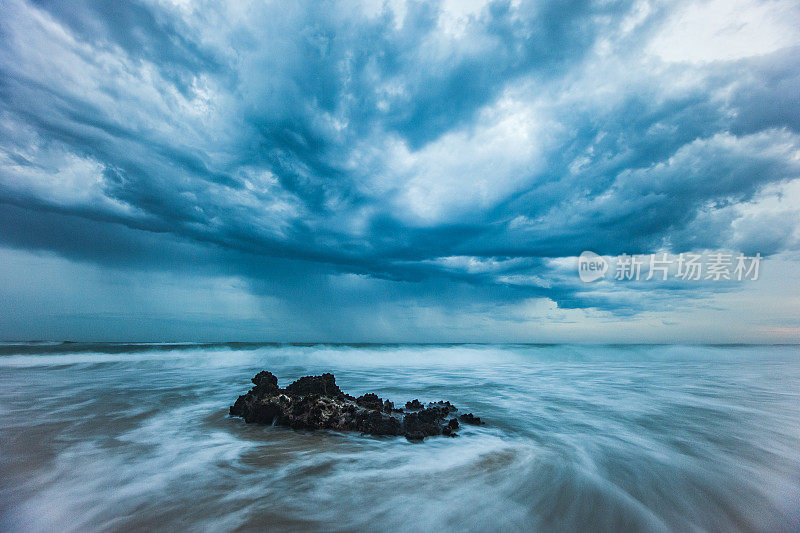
(303, 142)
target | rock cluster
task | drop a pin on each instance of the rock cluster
(316, 402)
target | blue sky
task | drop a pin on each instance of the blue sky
(395, 171)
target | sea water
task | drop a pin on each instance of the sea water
(99, 437)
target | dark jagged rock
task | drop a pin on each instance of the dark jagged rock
(316, 402)
(370, 401)
(469, 418)
(265, 382)
(377, 423)
(324, 385)
(451, 427)
(445, 406)
(421, 424)
(414, 404)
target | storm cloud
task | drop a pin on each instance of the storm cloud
(352, 162)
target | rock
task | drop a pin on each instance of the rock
(469, 418)
(316, 402)
(451, 427)
(414, 404)
(265, 381)
(415, 436)
(377, 423)
(324, 385)
(446, 406)
(370, 401)
(427, 422)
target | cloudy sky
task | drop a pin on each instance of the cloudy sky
(395, 171)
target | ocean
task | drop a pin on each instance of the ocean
(108, 437)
